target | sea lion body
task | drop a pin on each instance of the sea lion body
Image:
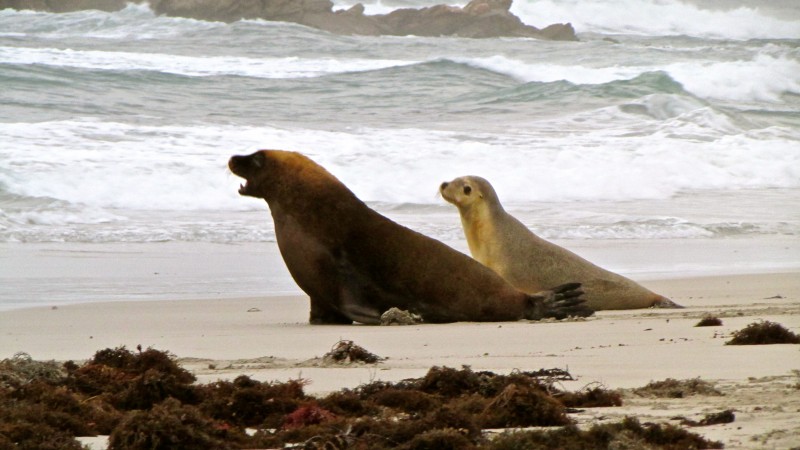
(355, 263)
(526, 261)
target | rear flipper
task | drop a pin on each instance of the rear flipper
(559, 302)
(664, 302)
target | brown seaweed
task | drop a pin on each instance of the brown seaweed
(672, 388)
(628, 434)
(347, 352)
(171, 425)
(145, 400)
(763, 333)
(709, 321)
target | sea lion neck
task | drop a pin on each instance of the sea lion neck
(477, 219)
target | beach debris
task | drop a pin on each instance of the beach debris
(591, 396)
(551, 374)
(709, 321)
(763, 332)
(338, 442)
(347, 352)
(672, 388)
(143, 399)
(627, 434)
(172, 425)
(523, 406)
(21, 369)
(405, 400)
(128, 380)
(245, 402)
(716, 418)
(305, 415)
(442, 438)
(397, 316)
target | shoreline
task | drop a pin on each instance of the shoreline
(47, 274)
(276, 327)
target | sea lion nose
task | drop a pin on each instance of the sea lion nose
(232, 162)
(237, 163)
(443, 186)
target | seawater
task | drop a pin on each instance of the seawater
(669, 119)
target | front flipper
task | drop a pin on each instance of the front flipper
(323, 314)
(361, 298)
(559, 302)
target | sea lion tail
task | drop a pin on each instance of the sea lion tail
(560, 302)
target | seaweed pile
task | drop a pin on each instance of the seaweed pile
(672, 388)
(346, 352)
(709, 321)
(763, 332)
(145, 400)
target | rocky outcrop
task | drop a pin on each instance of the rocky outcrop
(478, 19)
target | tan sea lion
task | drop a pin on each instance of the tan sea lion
(528, 262)
(355, 264)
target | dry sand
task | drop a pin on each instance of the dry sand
(269, 339)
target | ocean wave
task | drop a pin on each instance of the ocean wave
(660, 18)
(114, 165)
(762, 78)
(287, 67)
(594, 155)
(136, 22)
(644, 85)
(97, 226)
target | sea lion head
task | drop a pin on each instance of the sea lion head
(254, 169)
(466, 192)
(280, 174)
(265, 170)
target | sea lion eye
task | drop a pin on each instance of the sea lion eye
(467, 190)
(258, 160)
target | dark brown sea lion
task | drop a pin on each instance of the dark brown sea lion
(528, 262)
(355, 263)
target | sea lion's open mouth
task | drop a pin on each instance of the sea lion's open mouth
(237, 165)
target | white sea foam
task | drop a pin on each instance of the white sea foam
(184, 167)
(657, 18)
(763, 78)
(135, 22)
(548, 72)
(144, 168)
(288, 67)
